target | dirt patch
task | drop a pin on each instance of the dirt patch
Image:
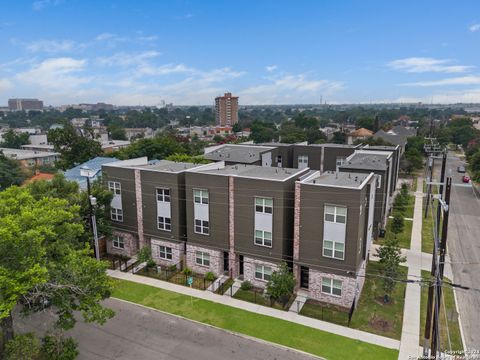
(379, 323)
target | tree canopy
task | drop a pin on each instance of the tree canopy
(13, 140)
(10, 172)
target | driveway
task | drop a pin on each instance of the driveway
(143, 334)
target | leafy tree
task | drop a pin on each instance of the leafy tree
(159, 147)
(397, 224)
(366, 122)
(390, 257)
(117, 132)
(44, 263)
(74, 148)
(13, 140)
(199, 159)
(281, 284)
(315, 136)
(262, 132)
(57, 347)
(236, 128)
(24, 347)
(339, 137)
(10, 172)
(291, 134)
(303, 121)
(218, 138)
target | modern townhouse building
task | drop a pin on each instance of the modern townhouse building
(240, 219)
(381, 164)
(333, 231)
(397, 154)
(148, 208)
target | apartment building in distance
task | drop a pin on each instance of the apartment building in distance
(226, 110)
(25, 104)
(31, 158)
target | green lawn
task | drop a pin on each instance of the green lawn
(275, 330)
(427, 227)
(452, 317)
(404, 238)
(371, 314)
(408, 213)
(255, 297)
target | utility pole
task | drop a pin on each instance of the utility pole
(431, 163)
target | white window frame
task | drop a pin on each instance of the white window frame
(165, 253)
(336, 215)
(379, 182)
(163, 195)
(263, 238)
(330, 284)
(115, 187)
(339, 161)
(302, 159)
(164, 223)
(201, 227)
(333, 249)
(119, 241)
(201, 196)
(263, 204)
(264, 271)
(202, 258)
(116, 214)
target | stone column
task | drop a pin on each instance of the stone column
(232, 258)
(296, 233)
(139, 203)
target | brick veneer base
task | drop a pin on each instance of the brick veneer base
(249, 270)
(216, 260)
(349, 286)
(130, 241)
(177, 249)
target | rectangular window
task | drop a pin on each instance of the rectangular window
(263, 272)
(336, 214)
(264, 205)
(115, 187)
(331, 286)
(263, 238)
(200, 196)
(118, 242)
(163, 195)
(339, 161)
(202, 258)
(116, 214)
(334, 249)
(302, 160)
(165, 252)
(164, 223)
(201, 227)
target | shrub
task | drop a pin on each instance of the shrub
(172, 268)
(281, 284)
(404, 190)
(246, 285)
(210, 276)
(25, 347)
(397, 224)
(187, 271)
(144, 254)
(59, 348)
(400, 203)
(151, 263)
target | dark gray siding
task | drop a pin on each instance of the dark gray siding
(314, 154)
(286, 152)
(331, 154)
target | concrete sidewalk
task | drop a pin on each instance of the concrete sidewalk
(409, 342)
(263, 310)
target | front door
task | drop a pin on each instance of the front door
(240, 262)
(225, 261)
(304, 277)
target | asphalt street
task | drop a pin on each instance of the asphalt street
(143, 334)
(463, 246)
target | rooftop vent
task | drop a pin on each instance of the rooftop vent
(314, 181)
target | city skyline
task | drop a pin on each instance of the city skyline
(269, 53)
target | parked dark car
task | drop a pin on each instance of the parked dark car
(461, 169)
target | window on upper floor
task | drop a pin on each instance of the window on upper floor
(164, 223)
(115, 187)
(336, 214)
(163, 194)
(264, 205)
(200, 196)
(116, 214)
(202, 227)
(263, 238)
(334, 249)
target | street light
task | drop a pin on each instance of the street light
(85, 171)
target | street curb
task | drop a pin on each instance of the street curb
(248, 337)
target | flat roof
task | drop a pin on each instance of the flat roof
(168, 166)
(380, 147)
(366, 161)
(338, 179)
(346, 146)
(22, 154)
(253, 171)
(247, 154)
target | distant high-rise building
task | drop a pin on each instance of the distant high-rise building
(226, 110)
(25, 104)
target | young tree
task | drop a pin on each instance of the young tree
(10, 172)
(281, 284)
(13, 140)
(44, 264)
(397, 224)
(390, 259)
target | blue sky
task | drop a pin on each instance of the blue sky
(267, 52)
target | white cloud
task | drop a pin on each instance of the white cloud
(55, 73)
(449, 97)
(474, 27)
(271, 68)
(462, 80)
(127, 59)
(5, 85)
(52, 46)
(40, 4)
(424, 64)
(164, 69)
